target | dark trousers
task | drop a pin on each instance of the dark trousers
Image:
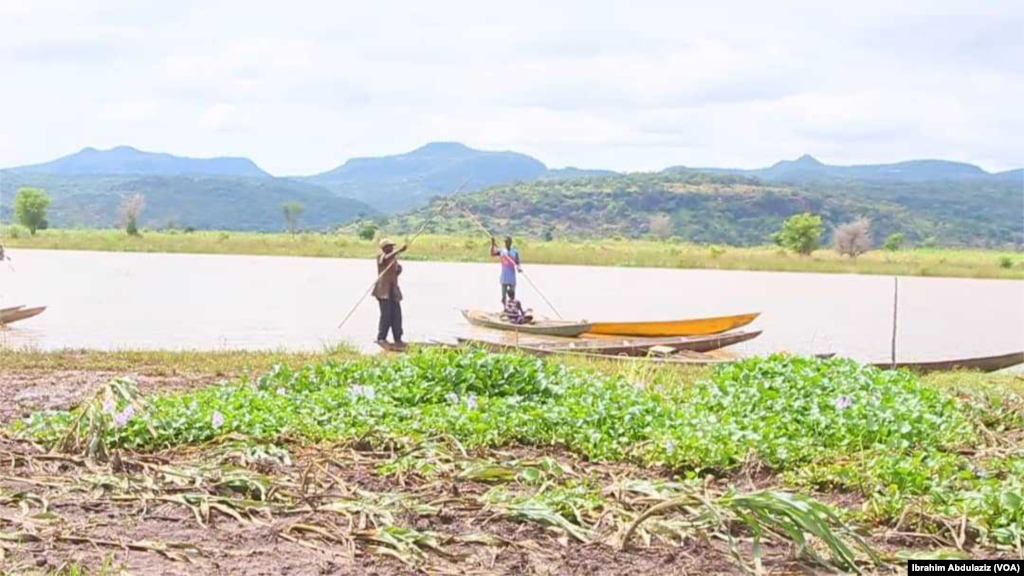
(508, 292)
(390, 319)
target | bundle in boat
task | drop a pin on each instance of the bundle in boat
(541, 326)
(16, 313)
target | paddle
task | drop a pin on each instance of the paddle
(525, 275)
(408, 243)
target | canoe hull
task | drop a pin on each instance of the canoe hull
(694, 327)
(983, 364)
(643, 346)
(636, 347)
(19, 313)
(543, 327)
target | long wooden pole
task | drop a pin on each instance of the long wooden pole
(895, 308)
(525, 275)
(408, 242)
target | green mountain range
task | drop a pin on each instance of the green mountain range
(949, 203)
(200, 202)
(737, 210)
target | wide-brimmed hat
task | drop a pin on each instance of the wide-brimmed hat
(386, 242)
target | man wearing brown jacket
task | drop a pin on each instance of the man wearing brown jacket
(388, 294)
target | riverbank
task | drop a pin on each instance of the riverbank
(936, 262)
(456, 461)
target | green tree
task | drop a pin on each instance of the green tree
(800, 233)
(893, 242)
(30, 208)
(292, 210)
(368, 231)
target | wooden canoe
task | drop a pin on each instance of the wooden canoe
(622, 347)
(497, 346)
(19, 313)
(9, 310)
(644, 346)
(542, 327)
(984, 364)
(694, 327)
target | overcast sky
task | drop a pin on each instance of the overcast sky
(300, 87)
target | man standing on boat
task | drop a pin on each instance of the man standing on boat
(509, 265)
(388, 294)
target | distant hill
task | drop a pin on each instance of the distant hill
(200, 202)
(571, 173)
(741, 210)
(1011, 175)
(128, 160)
(410, 180)
(809, 169)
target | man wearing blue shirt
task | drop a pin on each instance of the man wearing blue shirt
(509, 265)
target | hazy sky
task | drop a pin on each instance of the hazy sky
(300, 87)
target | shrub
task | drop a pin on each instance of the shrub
(893, 242)
(1006, 262)
(800, 233)
(368, 231)
(30, 208)
(853, 238)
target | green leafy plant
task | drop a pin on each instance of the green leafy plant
(800, 233)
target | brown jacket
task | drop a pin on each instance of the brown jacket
(387, 285)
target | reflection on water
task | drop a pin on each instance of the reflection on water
(114, 300)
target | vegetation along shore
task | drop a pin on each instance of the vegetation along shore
(444, 459)
(939, 262)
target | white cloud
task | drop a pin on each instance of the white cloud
(226, 118)
(637, 86)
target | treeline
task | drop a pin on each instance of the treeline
(739, 210)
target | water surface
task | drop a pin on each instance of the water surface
(109, 300)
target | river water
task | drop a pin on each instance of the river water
(110, 300)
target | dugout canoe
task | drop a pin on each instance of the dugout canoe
(541, 327)
(983, 364)
(692, 327)
(8, 316)
(623, 346)
(645, 346)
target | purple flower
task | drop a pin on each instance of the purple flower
(471, 402)
(122, 418)
(109, 405)
(843, 402)
(281, 391)
(452, 397)
(364, 391)
(217, 420)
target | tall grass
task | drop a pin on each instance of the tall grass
(948, 262)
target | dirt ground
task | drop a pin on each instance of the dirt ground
(217, 509)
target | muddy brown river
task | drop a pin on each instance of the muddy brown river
(109, 300)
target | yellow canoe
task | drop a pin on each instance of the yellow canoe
(694, 327)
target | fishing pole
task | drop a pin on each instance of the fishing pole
(525, 275)
(408, 243)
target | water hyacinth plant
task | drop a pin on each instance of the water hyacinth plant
(785, 410)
